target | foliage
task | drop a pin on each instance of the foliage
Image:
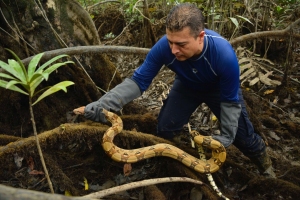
(30, 79)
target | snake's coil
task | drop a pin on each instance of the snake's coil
(131, 156)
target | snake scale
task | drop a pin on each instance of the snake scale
(131, 156)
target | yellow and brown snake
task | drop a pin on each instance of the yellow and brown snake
(134, 155)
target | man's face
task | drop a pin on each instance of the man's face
(184, 45)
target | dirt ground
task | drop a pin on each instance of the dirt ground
(75, 158)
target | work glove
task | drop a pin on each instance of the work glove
(114, 100)
(230, 114)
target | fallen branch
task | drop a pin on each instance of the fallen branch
(18, 193)
(137, 184)
(90, 49)
(278, 34)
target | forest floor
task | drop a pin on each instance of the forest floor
(76, 159)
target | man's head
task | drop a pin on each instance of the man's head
(185, 15)
(185, 31)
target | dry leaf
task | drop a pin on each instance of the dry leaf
(68, 193)
(86, 185)
(30, 163)
(18, 160)
(36, 172)
(268, 91)
(127, 169)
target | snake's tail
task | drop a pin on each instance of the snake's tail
(209, 176)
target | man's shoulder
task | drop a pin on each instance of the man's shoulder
(214, 35)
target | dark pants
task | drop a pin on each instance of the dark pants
(182, 102)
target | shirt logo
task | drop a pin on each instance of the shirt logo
(195, 70)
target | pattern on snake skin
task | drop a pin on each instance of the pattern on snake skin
(131, 156)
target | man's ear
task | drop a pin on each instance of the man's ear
(201, 36)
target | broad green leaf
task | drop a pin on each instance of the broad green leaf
(245, 19)
(45, 75)
(33, 63)
(236, 23)
(35, 76)
(19, 61)
(59, 86)
(49, 62)
(41, 91)
(6, 76)
(13, 87)
(14, 82)
(9, 69)
(20, 73)
(55, 66)
(34, 84)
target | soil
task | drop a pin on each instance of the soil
(75, 158)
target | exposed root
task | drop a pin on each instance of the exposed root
(143, 183)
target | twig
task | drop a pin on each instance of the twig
(137, 184)
(135, 8)
(112, 78)
(119, 34)
(37, 183)
(16, 32)
(78, 165)
(271, 104)
(277, 70)
(102, 2)
(61, 41)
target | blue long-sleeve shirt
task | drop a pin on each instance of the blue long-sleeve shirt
(216, 68)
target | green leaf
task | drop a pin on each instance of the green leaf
(34, 76)
(236, 23)
(33, 85)
(33, 63)
(20, 62)
(55, 66)
(14, 82)
(59, 86)
(245, 19)
(13, 87)
(45, 75)
(50, 62)
(19, 71)
(6, 76)
(9, 69)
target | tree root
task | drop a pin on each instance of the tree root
(137, 184)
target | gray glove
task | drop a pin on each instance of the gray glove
(114, 100)
(230, 114)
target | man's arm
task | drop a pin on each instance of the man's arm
(230, 113)
(129, 89)
(229, 86)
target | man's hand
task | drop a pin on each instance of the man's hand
(94, 111)
(113, 101)
(91, 111)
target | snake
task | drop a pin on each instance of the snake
(162, 149)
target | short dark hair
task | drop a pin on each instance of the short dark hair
(185, 15)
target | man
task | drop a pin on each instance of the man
(206, 70)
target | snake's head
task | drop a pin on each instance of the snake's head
(79, 111)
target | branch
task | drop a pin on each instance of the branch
(137, 184)
(90, 49)
(96, 4)
(281, 33)
(18, 193)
